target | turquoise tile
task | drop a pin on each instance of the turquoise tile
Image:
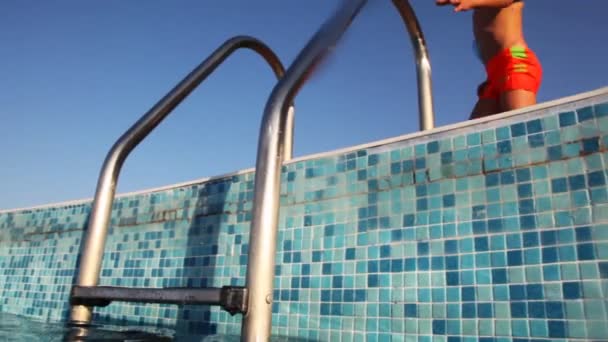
(420, 150)
(567, 253)
(519, 143)
(521, 159)
(469, 327)
(517, 275)
(533, 274)
(550, 123)
(574, 310)
(596, 329)
(519, 328)
(593, 162)
(488, 136)
(539, 172)
(486, 327)
(577, 330)
(453, 327)
(571, 150)
(445, 145)
(505, 162)
(538, 328)
(569, 272)
(395, 155)
(552, 138)
(473, 139)
(407, 152)
(600, 109)
(602, 250)
(490, 164)
(595, 310)
(589, 271)
(502, 328)
(503, 133)
(484, 293)
(602, 124)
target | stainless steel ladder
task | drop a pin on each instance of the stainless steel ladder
(274, 147)
(86, 293)
(264, 226)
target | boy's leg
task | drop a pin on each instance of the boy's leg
(516, 99)
(487, 103)
(484, 107)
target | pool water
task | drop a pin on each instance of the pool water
(20, 329)
(15, 328)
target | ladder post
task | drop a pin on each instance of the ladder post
(257, 322)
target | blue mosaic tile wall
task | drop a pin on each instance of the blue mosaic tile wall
(492, 232)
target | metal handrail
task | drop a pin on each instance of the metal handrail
(94, 242)
(263, 237)
(423, 64)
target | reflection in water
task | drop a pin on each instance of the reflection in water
(20, 329)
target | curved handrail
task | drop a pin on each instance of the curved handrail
(262, 244)
(423, 64)
(96, 233)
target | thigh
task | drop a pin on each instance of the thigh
(516, 99)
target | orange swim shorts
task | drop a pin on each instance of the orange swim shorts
(516, 68)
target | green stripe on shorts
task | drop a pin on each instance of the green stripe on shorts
(519, 52)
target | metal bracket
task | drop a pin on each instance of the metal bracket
(233, 299)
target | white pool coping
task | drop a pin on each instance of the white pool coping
(408, 136)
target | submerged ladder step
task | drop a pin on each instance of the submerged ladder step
(231, 298)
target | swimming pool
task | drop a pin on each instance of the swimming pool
(492, 230)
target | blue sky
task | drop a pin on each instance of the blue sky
(75, 75)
